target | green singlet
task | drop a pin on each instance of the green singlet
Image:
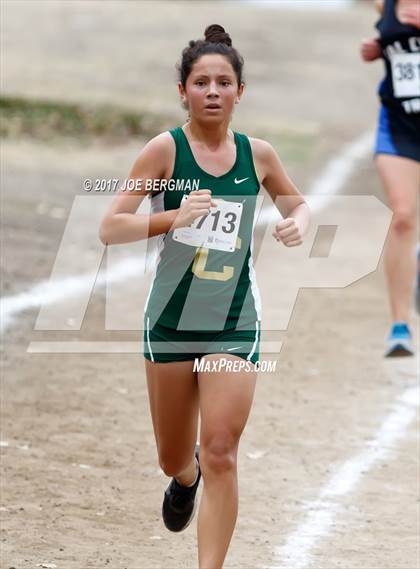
(201, 294)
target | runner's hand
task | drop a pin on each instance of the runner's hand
(196, 205)
(288, 232)
(370, 50)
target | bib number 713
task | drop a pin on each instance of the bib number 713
(217, 230)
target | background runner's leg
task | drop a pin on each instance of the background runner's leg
(401, 179)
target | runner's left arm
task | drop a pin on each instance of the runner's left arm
(410, 15)
(287, 198)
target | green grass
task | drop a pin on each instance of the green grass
(50, 119)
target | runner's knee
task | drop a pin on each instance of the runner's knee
(218, 454)
(403, 222)
(172, 463)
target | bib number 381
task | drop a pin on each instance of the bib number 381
(406, 74)
(217, 230)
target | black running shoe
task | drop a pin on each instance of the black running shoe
(179, 502)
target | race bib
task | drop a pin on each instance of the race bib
(406, 74)
(216, 230)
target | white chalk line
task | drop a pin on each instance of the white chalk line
(329, 183)
(297, 551)
(49, 291)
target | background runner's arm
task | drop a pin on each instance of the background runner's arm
(121, 223)
(379, 5)
(370, 50)
(409, 13)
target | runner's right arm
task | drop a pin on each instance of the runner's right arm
(121, 223)
(379, 5)
(370, 50)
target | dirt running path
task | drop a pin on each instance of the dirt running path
(81, 484)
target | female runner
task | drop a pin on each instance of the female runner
(203, 306)
(398, 154)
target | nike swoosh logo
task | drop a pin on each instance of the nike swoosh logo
(230, 349)
(240, 181)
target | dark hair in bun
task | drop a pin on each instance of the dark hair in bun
(217, 34)
(216, 40)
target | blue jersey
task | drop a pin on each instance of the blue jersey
(400, 43)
